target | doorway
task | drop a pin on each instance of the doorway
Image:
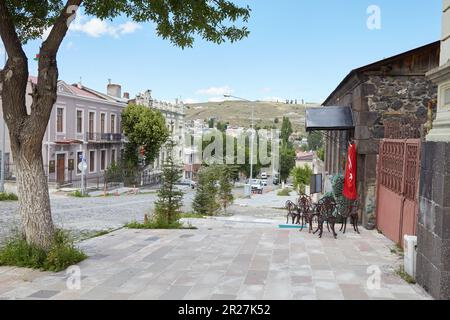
(60, 168)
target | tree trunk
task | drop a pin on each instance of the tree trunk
(27, 129)
(34, 202)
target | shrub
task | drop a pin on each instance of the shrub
(158, 225)
(78, 194)
(62, 254)
(286, 192)
(4, 196)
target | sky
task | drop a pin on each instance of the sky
(297, 49)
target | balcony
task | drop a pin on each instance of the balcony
(104, 137)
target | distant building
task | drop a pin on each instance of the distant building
(304, 158)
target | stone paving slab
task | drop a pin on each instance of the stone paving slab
(223, 259)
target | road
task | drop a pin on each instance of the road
(90, 215)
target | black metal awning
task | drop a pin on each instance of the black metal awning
(329, 119)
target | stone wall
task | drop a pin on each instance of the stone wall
(433, 232)
(396, 97)
(375, 98)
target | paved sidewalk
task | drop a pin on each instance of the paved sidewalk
(224, 259)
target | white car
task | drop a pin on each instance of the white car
(264, 175)
(264, 182)
(257, 186)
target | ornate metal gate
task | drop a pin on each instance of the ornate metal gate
(397, 188)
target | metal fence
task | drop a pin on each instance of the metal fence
(94, 182)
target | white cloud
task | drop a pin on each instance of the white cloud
(266, 90)
(96, 28)
(215, 91)
(129, 27)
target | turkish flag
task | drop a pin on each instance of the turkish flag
(350, 174)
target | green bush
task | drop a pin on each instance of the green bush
(4, 196)
(78, 194)
(157, 225)
(286, 192)
(62, 254)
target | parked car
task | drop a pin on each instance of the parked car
(257, 186)
(264, 182)
(187, 182)
(276, 179)
(264, 175)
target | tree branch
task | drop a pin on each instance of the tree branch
(8, 33)
(45, 93)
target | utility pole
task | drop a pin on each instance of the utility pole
(251, 143)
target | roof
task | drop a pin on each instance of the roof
(379, 63)
(305, 156)
(329, 119)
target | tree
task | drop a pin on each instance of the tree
(225, 193)
(169, 203)
(287, 161)
(205, 201)
(21, 21)
(315, 140)
(302, 177)
(286, 129)
(144, 127)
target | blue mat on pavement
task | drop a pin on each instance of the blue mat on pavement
(291, 226)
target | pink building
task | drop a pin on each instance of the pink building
(84, 123)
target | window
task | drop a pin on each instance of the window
(102, 122)
(446, 96)
(60, 120)
(79, 158)
(91, 122)
(113, 123)
(103, 160)
(79, 121)
(113, 156)
(91, 161)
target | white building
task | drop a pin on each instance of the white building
(175, 122)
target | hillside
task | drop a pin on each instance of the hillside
(238, 113)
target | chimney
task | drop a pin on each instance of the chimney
(114, 90)
(126, 95)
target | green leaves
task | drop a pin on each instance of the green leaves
(302, 177)
(178, 21)
(145, 127)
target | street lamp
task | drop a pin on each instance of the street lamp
(252, 138)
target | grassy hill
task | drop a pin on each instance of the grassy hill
(238, 113)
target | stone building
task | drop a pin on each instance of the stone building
(175, 122)
(433, 231)
(393, 88)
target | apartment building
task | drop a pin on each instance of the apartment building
(174, 115)
(84, 124)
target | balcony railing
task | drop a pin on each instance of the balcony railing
(103, 137)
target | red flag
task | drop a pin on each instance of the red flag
(350, 174)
